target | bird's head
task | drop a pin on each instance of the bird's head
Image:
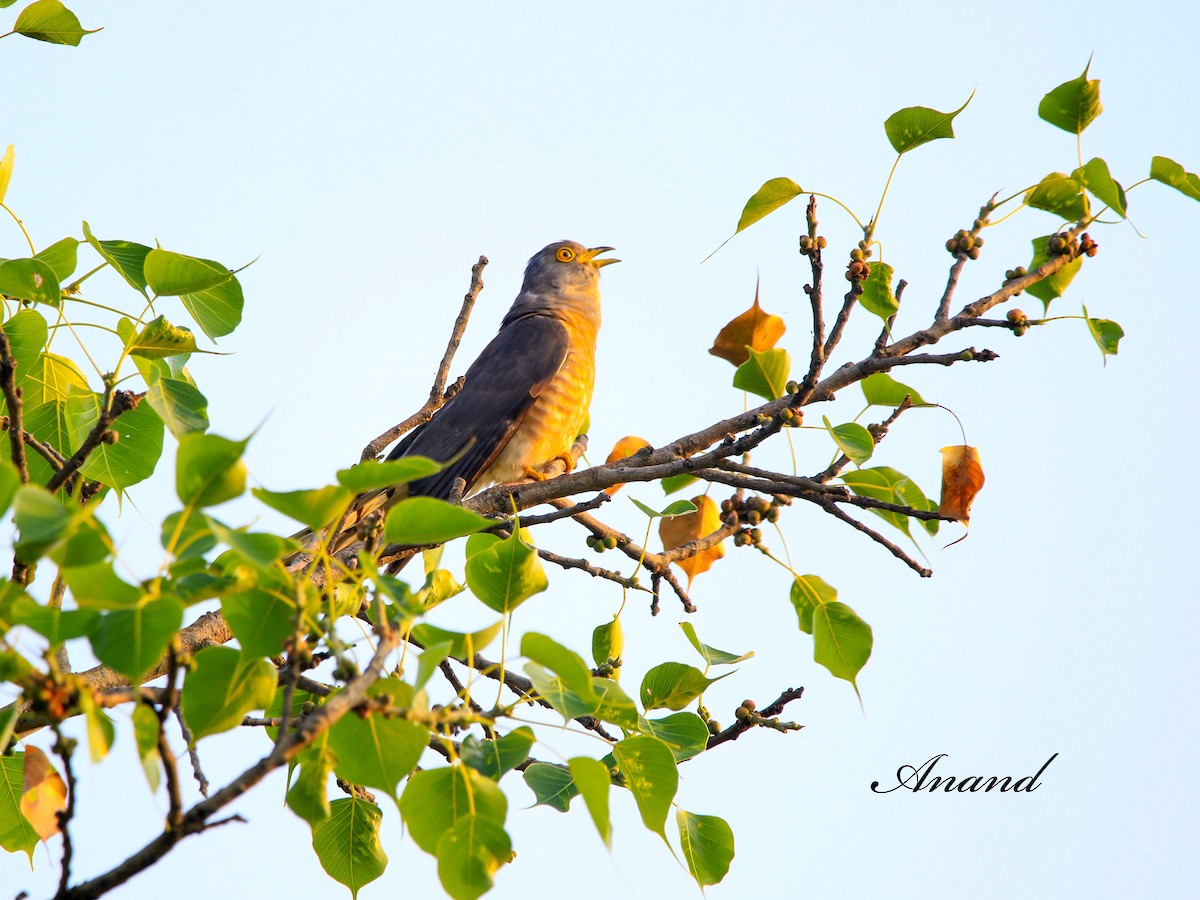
(565, 267)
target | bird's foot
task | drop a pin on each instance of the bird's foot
(532, 473)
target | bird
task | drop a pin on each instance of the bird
(525, 398)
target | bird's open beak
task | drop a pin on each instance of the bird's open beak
(592, 252)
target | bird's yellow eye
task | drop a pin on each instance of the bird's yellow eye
(565, 254)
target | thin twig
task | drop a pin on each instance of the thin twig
(65, 749)
(16, 414)
(438, 393)
(122, 401)
(193, 753)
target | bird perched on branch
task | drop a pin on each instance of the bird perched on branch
(526, 397)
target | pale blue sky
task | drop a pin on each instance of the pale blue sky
(369, 155)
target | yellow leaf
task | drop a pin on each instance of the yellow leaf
(6, 170)
(754, 328)
(962, 479)
(626, 446)
(680, 530)
(44, 794)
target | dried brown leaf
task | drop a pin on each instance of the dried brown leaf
(962, 479)
(754, 328)
(43, 794)
(626, 446)
(680, 530)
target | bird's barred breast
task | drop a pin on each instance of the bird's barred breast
(556, 417)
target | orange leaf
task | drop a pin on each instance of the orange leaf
(680, 530)
(626, 446)
(754, 328)
(43, 795)
(962, 479)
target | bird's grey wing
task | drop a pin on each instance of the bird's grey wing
(478, 421)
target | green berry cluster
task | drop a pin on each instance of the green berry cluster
(600, 544)
(964, 243)
(608, 667)
(745, 711)
(807, 244)
(1062, 244)
(1013, 275)
(859, 269)
(1019, 321)
(750, 513)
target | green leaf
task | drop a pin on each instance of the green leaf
(881, 389)
(439, 586)
(651, 775)
(684, 733)
(608, 641)
(133, 458)
(170, 274)
(877, 296)
(470, 854)
(62, 257)
(852, 439)
(711, 655)
(707, 845)
(15, 831)
(886, 484)
(375, 750)
(1174, 175)
(30, 279)
(435, 799)
(218, 309)
(494, 758)
(673, 483)
(260, 620)
(27, 332)
(159, 338)
(180, 405)
(146, 728)
(615, 705)
(1053, 286)
(223, 687)
(50, 21)
(347, 843)
(1097, 179)
(678, 508)
(7, 160)
(209, 469)
(369, 475)
(551, 786)
(673, 685)
(427, 520)
(10, 481)
(592, 779)
(504, 573)
(569, 665)
(810, 592)
(41, 521)
(765, 373)
(841, 641)
(193, 538)
(53, 624)
(1073, 105)
(554, 691)
(308, 796)
(51, 379)
(126, 257)
(130, 641)
(97, 586)
(100, 731)
(1106, 333)
(461, 645)
(1059, 194)
(768, 198)
(315, 508)
(916, 125)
